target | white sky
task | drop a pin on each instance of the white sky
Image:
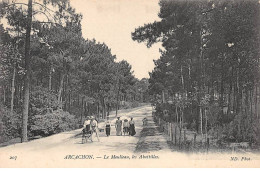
(112, 21)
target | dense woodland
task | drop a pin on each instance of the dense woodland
(51, 77)
(207, 77)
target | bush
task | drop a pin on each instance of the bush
(41, 99)
(256, 131)
(241, 129)
(10, 124)
(52, 123)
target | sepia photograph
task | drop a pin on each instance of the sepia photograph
(129, 84)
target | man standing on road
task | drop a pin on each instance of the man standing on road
(94, 126)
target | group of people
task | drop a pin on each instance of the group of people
(128, 127)
(91, 127)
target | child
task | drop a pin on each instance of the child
(125, 126)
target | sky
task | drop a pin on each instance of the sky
(112, 21)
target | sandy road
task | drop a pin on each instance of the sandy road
(67, 145)
(66, 150)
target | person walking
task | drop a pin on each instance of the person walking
(118, 126)
(108, 126)
(145, 121)
(126, 126)
(132, 127)
(87, 127)
(94, 126)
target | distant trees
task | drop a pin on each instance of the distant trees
(209, 69)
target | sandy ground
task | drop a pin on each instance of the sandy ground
(148, 148)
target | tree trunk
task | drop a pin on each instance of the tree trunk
(81, 113)
(13, 90)
(222, 88)
(163, 97)
(251, 114)
(82, 106)
(201, 122)
(4, 94)
(256, 102)
(108, 109)
(177, 115)
(69, 102)
(103, 105)
(238, 94)
(180, 133)
(182, 116)
(182, 79)
(50, 79)
(104, 111)
(27, 74)
(60, 91)
(98, 110)
(117, 98)
(230, 94)
(206, 125)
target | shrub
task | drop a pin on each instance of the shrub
(52, 123)
(10, 124)
(41, 99)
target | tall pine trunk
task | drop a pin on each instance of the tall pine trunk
(221, 102)
(117, 98)
(256, 102)
(60, 91)
(27, 74)
(13, 90)
(82, 110)
(4, 94)
(50, 79)
(201, 122)
(163, 97)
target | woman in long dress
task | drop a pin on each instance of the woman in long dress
(108, 125)
(132, 127)
(118, 126)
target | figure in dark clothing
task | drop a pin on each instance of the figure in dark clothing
(108, 126)
(132, 127)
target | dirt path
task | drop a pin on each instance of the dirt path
(151, 139)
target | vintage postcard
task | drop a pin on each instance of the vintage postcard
(129, 83)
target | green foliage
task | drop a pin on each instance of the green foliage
(256, 131)
(11, 124)
(52, 123)
(240, 129)
(41, 100)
